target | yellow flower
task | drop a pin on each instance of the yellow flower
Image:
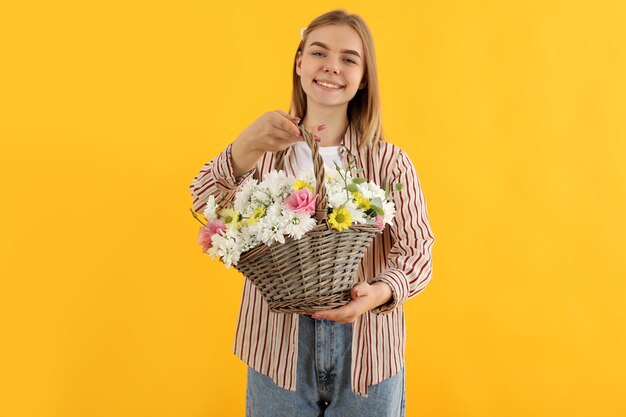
(298, 184)
(361, 202)
(340, 219)
(231, 217)
(256, 215)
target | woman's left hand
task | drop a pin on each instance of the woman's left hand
(364, 298)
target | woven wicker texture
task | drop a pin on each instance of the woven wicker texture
(315, 272)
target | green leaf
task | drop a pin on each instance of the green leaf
(399, 186)
(378, 209)
(351, 187)
(371, 212)
(358, 180)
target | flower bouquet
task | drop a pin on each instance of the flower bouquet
(298, 238)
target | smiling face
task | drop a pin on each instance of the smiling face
(333, 55)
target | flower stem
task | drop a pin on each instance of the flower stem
(195, 216)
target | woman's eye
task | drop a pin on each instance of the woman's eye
(321, 53)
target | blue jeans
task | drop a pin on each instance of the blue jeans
(323, 386)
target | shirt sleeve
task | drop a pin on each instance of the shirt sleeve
(409, 264)
(216, 178)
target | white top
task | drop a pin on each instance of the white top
(330, 155)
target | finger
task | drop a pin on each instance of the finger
(323, 315)
(336, 314)
(287, 128)
(316, 127)
(287, 134)
(287, 123)
(316, 137)
(362, 288)
(294, 119)
(300, 137)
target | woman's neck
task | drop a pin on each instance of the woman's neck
(335, 119)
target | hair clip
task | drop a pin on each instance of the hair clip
(302, 33)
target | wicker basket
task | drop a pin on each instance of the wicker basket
(315, 272)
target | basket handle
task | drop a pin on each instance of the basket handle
(321, 211)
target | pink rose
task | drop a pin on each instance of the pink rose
(301, 200)
(211, 228)
(380, 223)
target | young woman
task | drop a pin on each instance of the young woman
(349, 360)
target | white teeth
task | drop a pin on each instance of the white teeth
(327, 85)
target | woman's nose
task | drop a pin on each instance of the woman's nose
(331, 67)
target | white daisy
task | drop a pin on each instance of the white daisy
(307, 175)
(275, 210)
(226, 248)
(242, 198)
(210, 211)
(371, 190)
(272, 229)
(389, 211)
(250, 207)
(262, 196)
(248, 238)
(358, 215)
(277, 184)
(298, 224)
(336, 195)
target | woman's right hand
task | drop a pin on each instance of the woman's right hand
(272, 132)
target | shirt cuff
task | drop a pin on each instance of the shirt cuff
(393, 278)
(223, 170)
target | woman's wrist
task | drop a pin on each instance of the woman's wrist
(243, 158)
(383, 293)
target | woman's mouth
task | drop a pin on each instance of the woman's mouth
(327, 87)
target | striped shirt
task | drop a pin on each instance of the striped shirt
(400, 256)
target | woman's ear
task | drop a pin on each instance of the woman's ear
(298, 62)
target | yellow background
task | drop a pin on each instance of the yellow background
(513, 113)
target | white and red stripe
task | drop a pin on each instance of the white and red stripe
(401, 257)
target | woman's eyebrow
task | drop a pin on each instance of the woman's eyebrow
(348, 51)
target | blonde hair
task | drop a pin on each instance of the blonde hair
(364, 110)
